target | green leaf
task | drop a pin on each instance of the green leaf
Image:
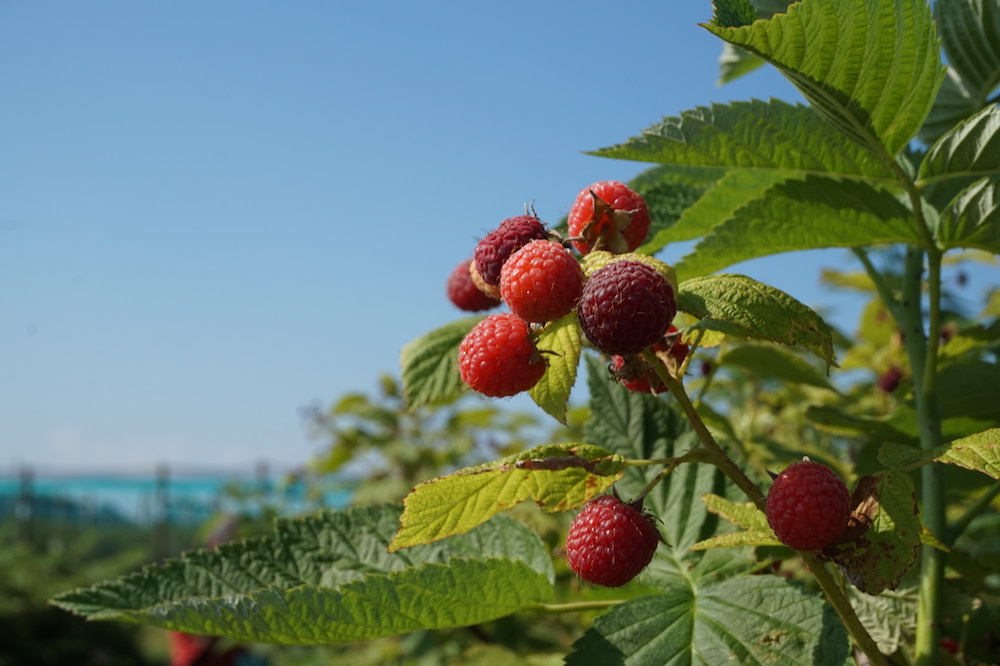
(732, 13)
(970, 32)
(434, 596)
(771, 136)
(971, 149)
(742, 307)
(332, 566)
(430, 364)
(777, 363)
(972, 219)
(871, 69)
(979, 452)
(735, 62)
(561, 345)
(559, 477)
(743, 514)
(754, 620)
(803, 215)
(876, 559)
(717, 204)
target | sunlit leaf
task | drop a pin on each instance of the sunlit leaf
(871, 69)
(559, 477)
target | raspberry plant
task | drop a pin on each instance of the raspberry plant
(896, 157)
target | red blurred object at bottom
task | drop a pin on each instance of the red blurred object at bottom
(192, 650)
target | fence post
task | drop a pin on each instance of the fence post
(161, 514)
(24, 510)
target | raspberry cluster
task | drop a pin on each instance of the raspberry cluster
(624, 302)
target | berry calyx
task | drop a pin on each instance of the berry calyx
(497, 246)
(610, 542)
(636, 375)
(608, 216)
(541, 282)
(625, 307)
(498, 357)
(808, 506)
(464, 293)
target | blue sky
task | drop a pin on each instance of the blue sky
(217, 214)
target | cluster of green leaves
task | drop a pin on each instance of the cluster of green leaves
(747, 179)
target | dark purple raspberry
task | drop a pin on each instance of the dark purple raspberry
(626, 307)
(497, 246)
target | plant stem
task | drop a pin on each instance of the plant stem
(835, 595)
(922, 350)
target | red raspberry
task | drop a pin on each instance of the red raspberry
(636, 375)
(625, 307)
(808, 506)
(497, 357)
(497, 246)
(464, 293)
(542, 281)
(608, 216)
(610, 542)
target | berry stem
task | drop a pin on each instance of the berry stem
(714, 453)
(835, 595)
(717, 456)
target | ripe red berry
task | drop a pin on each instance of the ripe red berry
(497, 246)
(625, 307)
(464, 293)
(610, 542)
(498, 358)
(636, 375)
(808, 506)
(542, 281)
(608, 216)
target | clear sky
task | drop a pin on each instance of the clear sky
(213, 215)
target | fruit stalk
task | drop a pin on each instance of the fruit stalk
(717, 456)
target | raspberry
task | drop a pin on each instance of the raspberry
(497, 246)
(598, 259)
(542, 281)
(497, 357)
(610, 542)
(636, 375)
(608, 216)
(625, 307)
(808, 506)
(464, 294)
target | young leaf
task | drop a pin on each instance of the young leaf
(561, 344)
(803, 215)
(747, 620)
(979, 452)
(972, 219)
(732, 13)
(740, 306)
(767, 136)
(871, 69)
(743, 514)
(558, 477)
(971, 149)
(430, 364)
(274, 589)
(877, 558)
